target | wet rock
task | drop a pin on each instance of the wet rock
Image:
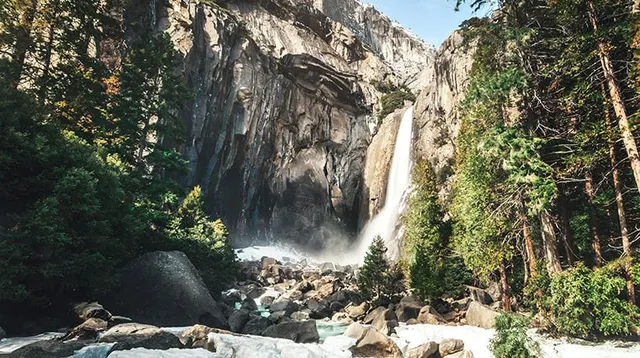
(319, 309)
(430, 316)
(300, 332)
(383, 312)
(481, 316)
(336, 306)
(48, 349)
(277, 317)
(225, 309)
(377, 345)
(285, 305)
(256, 326)
(249, 304)
(134, 335)
(450, 346)
(238, 319)
(165, 289)
(230, 298)
(426, 350)
(197, 337)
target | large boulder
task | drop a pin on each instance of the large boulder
(376, 345)
(479, 295)
(355, 330)
(481, 316)
(87, 310)
(135, 335)
(383, 312)
(357, 312)
(256, 326)
(429, 315)
(285, 305)
(427, 350)
(450, 346)
(300, 332)
(408, 308)
(238, 319)
(88, 329)
(48, 349)
(165, 289)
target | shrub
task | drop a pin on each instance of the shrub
(394, 100)
(511, 339)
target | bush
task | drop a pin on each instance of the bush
(394, 100)
(511, 339)
(587, 303)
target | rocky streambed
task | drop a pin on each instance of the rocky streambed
(286, 306)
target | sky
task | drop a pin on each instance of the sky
(431, 20)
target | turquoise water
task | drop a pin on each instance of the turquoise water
(261, 309)
(330, 329)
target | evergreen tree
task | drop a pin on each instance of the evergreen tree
(373, 273)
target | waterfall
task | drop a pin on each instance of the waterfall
(384, 223)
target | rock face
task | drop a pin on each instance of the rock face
(133, 335)
(165, 289)
(481, 316)
(436, 113)
(278, 123)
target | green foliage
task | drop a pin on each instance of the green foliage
(204, 241)
(588, 303)
(394, 100)
(511, 339)
(379, 280)
(425, 248)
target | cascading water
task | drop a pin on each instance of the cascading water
(384, 223)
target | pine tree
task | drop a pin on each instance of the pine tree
(373, 273)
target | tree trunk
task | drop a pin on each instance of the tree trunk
(504, 286)
(549, 242)
(528, 245)
(622, 217)
(593, 222)
(567, 235)
(23, 41)
(636, 7)
(617, 101)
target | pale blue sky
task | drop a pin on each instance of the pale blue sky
(431, 20)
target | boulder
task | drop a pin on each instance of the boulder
(355, 330)
(285, 305)
(266, 301)
(249, 304)
(165, 289)
(319, 309)
(342, 317)
(225, 309)
(376, 345)
(426, 350)
(238, 319)
(3, 334)
(479, 295)
(408, 308)
(384, 326)
(268, 262)
(386, 313)
(231, 297)
(48, 349)
(300, 332)
(494, 291)
(88, 329)
(135, 335)
(295, 295)
(336, 306)
(304, 286)
(198, 337)
(461, 304)
(277, 317)
(86, 310)
(450, 346)
(357, 312)
(256, 326)
(441, 306)
(463, 354)
(346, 297)
(481, 316)
(429, 315)
(300, 316)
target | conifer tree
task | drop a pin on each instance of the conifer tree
(373, 274)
